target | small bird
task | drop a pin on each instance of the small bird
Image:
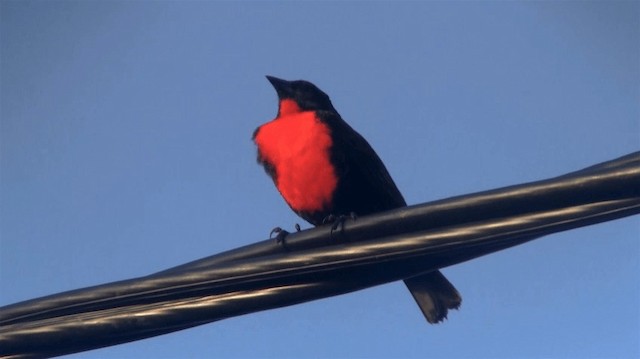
(324, 170)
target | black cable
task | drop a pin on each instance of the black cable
(372, 250)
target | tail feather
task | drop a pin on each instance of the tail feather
(434, 294)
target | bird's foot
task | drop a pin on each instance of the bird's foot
(338, 221)
(281, 234)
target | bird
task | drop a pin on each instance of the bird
(325, 170)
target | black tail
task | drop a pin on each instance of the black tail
(434, 294)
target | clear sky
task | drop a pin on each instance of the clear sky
(126, 149)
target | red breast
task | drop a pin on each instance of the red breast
(297, 145)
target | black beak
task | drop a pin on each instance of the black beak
(283, 87)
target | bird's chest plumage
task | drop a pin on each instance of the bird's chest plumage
(297, 149)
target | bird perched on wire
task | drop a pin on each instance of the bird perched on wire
(325, 170)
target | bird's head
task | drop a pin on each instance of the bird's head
(299, 96)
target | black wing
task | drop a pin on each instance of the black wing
(365, 185)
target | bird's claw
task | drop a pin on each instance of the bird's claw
(281, 234)
(338, 221)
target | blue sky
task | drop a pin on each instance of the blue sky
(125, 150)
